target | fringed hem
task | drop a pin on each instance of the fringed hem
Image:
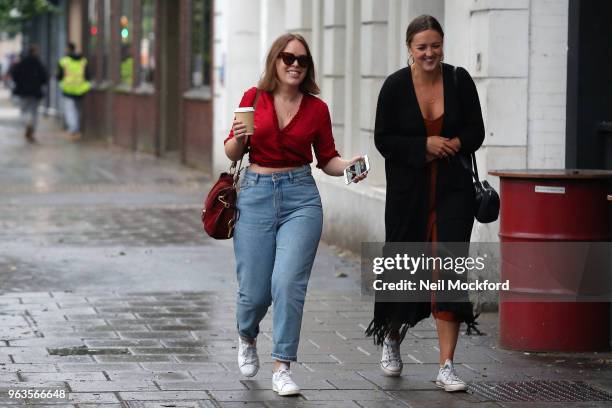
(471, 326)
(380, 330)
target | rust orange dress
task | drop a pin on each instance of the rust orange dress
(399, 134)
(434, 128)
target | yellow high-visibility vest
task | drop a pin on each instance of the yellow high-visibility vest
(74, 82)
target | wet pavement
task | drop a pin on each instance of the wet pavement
(112, 293)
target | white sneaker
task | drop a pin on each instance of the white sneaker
(391, 361)
(283, 384)
(448, 380)
(248, 361)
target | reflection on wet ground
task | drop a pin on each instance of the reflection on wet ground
(110, 290)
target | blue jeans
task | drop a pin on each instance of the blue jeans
(72, 112)
(275, 242)
(29, 110)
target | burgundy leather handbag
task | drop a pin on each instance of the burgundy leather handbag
(220, 214)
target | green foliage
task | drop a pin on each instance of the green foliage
(13, 13)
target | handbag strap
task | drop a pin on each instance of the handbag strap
(474, 168)
(238, 164)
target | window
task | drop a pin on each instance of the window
(94, 28)
(126, 62)
(147, 42)
(105, 41)
(201, 58)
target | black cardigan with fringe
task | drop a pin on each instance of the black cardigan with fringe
(400, 136)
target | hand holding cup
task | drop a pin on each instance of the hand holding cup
(243, 123)
(239, 129)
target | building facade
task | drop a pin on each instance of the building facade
(515, 50)
(168, 75)
(150, 62)
(49, 33)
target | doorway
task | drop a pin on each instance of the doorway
(589, 85)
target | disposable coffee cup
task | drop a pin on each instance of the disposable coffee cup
(245, 115)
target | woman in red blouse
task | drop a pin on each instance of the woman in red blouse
(280, 222)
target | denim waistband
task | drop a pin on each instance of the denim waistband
(299, 172)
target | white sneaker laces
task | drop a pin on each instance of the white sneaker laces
(283, 378)
(448, 374)
(249, 354)
(392, 353)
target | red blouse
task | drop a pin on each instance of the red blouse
(290, 146)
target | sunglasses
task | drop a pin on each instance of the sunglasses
(289, 58)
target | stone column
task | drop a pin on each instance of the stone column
(547, 85)
(298, 17)
(374, 70)
(334, 63)
(354, 143)
(272, 25)
(499, 61)
(237, 65)
(490, 38)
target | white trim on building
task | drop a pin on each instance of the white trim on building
(516, 50)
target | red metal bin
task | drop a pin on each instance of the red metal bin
(552, 206)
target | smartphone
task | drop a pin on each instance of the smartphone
(356, 169)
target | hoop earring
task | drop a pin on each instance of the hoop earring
(410, 57)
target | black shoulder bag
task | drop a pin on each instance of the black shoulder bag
(486, 201)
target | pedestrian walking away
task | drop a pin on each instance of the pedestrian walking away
(30, 77)
(280, 213)
(73, 75)
(428, 116)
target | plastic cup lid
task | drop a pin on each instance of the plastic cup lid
(245, 109)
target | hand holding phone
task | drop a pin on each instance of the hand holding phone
(357, 170)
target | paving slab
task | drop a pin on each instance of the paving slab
(111, 289)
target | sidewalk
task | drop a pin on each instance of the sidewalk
(111, 292)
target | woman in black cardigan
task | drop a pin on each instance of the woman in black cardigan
(428, 117)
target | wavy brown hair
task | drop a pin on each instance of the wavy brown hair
(422, 23)
(269, 79)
